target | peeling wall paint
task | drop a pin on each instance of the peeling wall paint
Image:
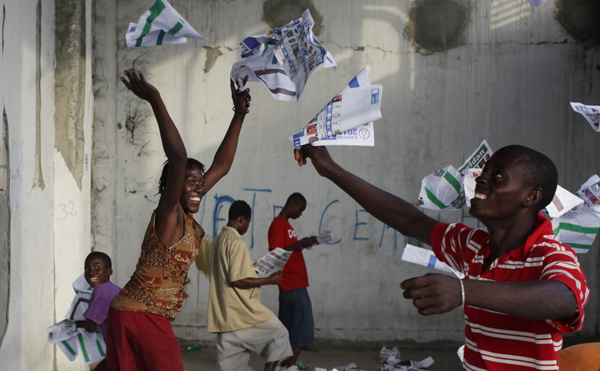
(38, 180)
(4, 228)
(70, 83)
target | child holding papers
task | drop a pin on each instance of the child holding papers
(79, 333)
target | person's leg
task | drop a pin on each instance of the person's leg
(102, 366)
(119, 340)
(231, 353)
(269, 339)
(296, 309)
(270, 366)
(159, 349)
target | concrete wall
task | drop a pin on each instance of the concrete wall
(80, 157)
(454, 73)
(44, 173)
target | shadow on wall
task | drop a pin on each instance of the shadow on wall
(580, 19)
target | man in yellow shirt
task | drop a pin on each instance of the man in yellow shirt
(235, 312)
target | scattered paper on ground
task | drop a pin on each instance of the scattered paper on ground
(347, 119)
(591, 114)
(160, 25)
(283, 59)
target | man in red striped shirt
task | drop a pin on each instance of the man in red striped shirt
(522, 289)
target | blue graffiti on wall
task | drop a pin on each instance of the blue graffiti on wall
(361, 225)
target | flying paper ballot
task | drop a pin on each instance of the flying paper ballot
(590, 191)
(562, 202)
(579, 226)
(160, 25)
(591, 114)
(426, 258)
(347, 119)
(283, 59)
(71, 340)
(272, 262)
(446, 187)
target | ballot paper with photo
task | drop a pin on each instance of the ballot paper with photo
(272, 262)
(355, 107)
(591, 114)
(283, 59)
(469, 184)
(73, 341)
(590, 191)
(445, 188)
(579, 226)
(160, 25)
(418, 255)
(562, 202)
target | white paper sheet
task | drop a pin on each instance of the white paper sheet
(417, 255)
(160, 25)
(349, 116)
(591, 114)
(283, 59)
(272, 262)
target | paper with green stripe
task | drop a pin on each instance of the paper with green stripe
(445, 189)
(160, 25)
(578, 227)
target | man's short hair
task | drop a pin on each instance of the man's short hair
(296, 197)
(162, 183)
(239, 208)
(100, 255)
(538, 171)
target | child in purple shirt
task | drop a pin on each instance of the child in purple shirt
(98, 269)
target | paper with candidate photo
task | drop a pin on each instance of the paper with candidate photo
(562, 202)
(445, 188)
(591, 114)
(355, 107)
(417, 255)
(283, 59)
(590, 191)
(160, 25)
(272, 262)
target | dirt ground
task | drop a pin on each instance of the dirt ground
(367, 357)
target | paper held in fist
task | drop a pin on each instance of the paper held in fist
(347, 119)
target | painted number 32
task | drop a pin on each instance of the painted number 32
(65, 210)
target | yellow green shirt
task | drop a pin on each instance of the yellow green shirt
(231, 308)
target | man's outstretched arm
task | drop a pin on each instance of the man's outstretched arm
(440, 293)
(392, 210)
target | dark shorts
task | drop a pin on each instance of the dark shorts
(295, 312)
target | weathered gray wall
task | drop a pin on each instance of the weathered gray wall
(454, 73)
